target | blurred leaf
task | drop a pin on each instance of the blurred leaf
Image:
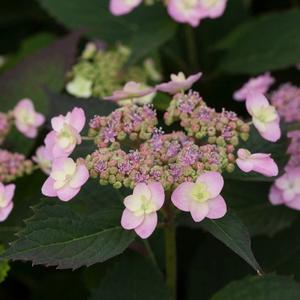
(82, 232)
(266, 43)
(131, 277)
(256, 144)
(250, 201)
(269, 287)
(230, 231)
(135, 29)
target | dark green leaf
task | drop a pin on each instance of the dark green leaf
(266, 43)
(270, 287)
(232, 232)
(131, 277)
(82, 232)
(250, 201)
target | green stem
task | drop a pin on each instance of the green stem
(171, 253)
(191, 47)
(151, 254)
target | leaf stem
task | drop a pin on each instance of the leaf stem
(171, 252)
(191, 47)
(150, 253)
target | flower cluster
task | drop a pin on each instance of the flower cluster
(286, 99)
(99, 72)
(201, 121)
(132, 121)
(13, 165)
(168, 158)
(182, 11)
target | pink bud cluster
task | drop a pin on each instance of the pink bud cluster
(286, 99)
(168, 158)
(201, 121)
(5, 126)
(13, 165)
(131, 121)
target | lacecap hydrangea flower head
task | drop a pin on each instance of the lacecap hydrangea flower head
(165, 169)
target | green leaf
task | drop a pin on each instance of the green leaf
(135, 29)
(256, 144)
(269, 287)
(230, 231)
(266, 43)
(250, 201)
(131, 277)
(82, 232)
(4, 267)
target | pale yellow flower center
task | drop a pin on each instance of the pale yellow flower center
(26, 117)
(66, 137)
(146, 206)
(200, 192)
(64, 176)
(265, 114)
(2, 200)
(209, 3)
(178, 78)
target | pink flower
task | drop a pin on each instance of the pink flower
(264, 116)
(258, 162)
(66, 179)
(286, 189)
(259, 84)
(212, 8)
(130, 90)
(185, 11)
(141, 207)
(6, 204)
(64, 137)
(43, 159)
(122, 7)
(178, 83)
(202, 199)
(27, 119)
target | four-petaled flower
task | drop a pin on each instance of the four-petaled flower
(27, 119)
(141, 207)
(131, 90)
(6, 196)
(66, 179)
(122, 7)
(258, 162)
(264, 116)
(178, 83)
(64, 137)
(259, 84)
(202, 198)
(286, 189)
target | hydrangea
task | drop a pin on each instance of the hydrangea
(6, 203)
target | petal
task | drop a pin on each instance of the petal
(129, 220)
(9, 192)
(275, 196)
(199, 210)
(157, 194)
(266, 166)
(77, 118)
(40, 119)
(58, 123)
(295, 204)
(255, 101)
(181, 197)
(5, 211)
(272, 132)
(81, 176)
(141, 189)
(132, 203)
(48, 188)
(147, 226)
(245, 165)
(67, 193)
(119, 7)
(217, 208)
(214, 182)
